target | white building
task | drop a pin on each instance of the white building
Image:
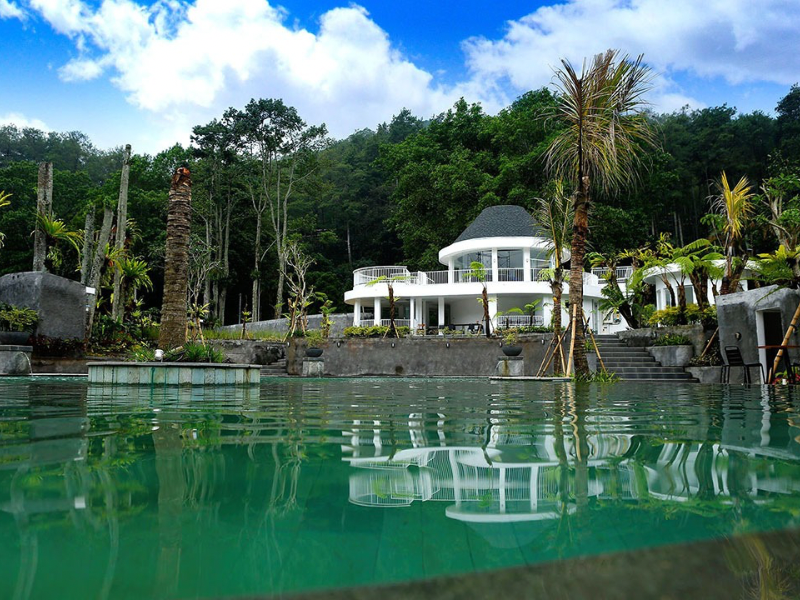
(507, 241)
(672, 273)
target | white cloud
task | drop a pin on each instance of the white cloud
(10, 10)
(21, 121)
(738, 40)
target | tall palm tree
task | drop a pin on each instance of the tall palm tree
(736, 208)
(604, 133)
(176, 262)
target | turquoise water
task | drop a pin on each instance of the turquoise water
(317, 484)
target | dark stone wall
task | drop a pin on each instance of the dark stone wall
(60, 302)
(416, 357)
(250, 352)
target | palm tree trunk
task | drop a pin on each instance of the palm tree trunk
(97, 265)
(486, 319)
(176, 262)
(580, 232)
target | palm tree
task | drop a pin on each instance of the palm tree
(604, 132)
(4, 201)
(555, 215)
(53, 231)
(614, 297)
(736, 208)
(477, 272)
(176, 262)
(134, 273)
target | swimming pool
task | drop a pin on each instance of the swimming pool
(307, 486)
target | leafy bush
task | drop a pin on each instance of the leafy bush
(47, 346)
(191, 352)
(598, 377)
(374, 331)
(535, 329)
(143, 354)
(17, 318)
(672, 339)
(671, 316)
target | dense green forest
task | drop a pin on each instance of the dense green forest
(262, 177)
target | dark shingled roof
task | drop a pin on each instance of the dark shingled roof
(501, 221)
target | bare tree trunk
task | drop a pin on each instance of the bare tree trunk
(580, 232)
(88, 239)
(44, 208)
(176, 262)
(256, 316)
(97, 264)
(118, 303)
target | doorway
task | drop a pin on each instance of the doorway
(770, 333)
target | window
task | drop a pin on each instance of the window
(482, 256)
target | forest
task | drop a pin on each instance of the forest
(265, 181)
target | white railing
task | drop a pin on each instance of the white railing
(505, 321)
(536, 273)
(622, 273)
(467, 276)
(366, 275)
(385, 322)
(511, 274)
(432, 277)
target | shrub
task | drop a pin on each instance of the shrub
(374, 331)
(672, 339)
(671, 316)
(191, 352)
(47, 346)
(17, 318)
(535, 329)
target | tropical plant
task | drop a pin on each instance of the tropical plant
(55, 231)
(17, 318)
(613, 296)
(555, 214)
(390, 281)
(134, 275)
(672, 339)
(477, 272)
(736, 208)
(374, 331)
(604, 133)
(314, 338)
(510, 337)
(779, 267)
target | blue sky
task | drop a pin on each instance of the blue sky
(145, 72)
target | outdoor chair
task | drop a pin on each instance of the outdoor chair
(733, 358)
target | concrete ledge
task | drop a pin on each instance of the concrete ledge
(186, 374)
(15, 360)
(672, 356)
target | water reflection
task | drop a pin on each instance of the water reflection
(165, 492)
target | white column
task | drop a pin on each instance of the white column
(450, 269)
(412, 314)
(377, 310)
(441, 312)
(493, 311)
(357, 314)
(526, 264)
(494, 265)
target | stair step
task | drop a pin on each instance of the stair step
(635, 362)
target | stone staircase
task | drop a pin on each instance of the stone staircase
(635, 363)
(276, 369)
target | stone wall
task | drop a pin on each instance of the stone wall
(251, 352)
(60, 302)
(416, 357)
(340, 321)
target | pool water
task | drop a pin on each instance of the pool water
(304, 485)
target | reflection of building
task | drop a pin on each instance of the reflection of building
(516, 477)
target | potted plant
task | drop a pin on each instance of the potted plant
(672, 350)
(510, 343)
(314, 339)
(16, 324)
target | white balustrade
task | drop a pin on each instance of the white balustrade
(504, 274)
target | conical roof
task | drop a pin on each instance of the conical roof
(501, 221)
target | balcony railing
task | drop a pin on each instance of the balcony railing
(505, 321)
(385, 322)
(366, 275)
(511, 274)
(431, 277)
(467, 276)
(622, 273)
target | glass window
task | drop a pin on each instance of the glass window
(465, 260)
(509, 259)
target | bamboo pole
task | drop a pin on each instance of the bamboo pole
(572, 339)
(710, 341)
(555, 346)
(785, 342)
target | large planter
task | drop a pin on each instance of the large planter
(313, 352)
(672, 356)
(14, 338)
(512, 350)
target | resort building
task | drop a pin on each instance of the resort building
(515, 255)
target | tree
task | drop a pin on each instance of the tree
(4, 201)
(176, 262)
(736, 208)
(477, 272)
(44, 213)
(284, 149)
(118, 302)
(555, 215)
(600, 146)
(390, 281)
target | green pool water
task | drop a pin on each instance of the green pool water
(306, 485)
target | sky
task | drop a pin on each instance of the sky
(145, 72)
